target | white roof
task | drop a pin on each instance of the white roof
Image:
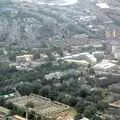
(6, 96)
(26, 55)
(103, 5)
(90, 56)
(84, 118)
(98, 52)
(60, 3)
(105, 64)
(77, 61)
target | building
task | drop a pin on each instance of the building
(24, 62)
(115, 88)
(116, 51)
(105, 65)
(43, 56)
(82, 56)
(115, 104)
(99, 54)
(97, 46)
(16, 117)
(44, 108)
(24, 58)
(78, 62)
(114, 109)
(84, 118)
(8, 96)
(4, 113)
(102, 5)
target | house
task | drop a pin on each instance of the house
(78, 62)
(24, 62)
(24, 58)
(43, 56)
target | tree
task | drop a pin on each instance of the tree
(45, 91)
(50, 56)
(78, 117)
(80, 105)
(36, 54)
(90, 110)
(2, 101)
(84, 92)
(73, 101)
(29, 104)
(101, 105)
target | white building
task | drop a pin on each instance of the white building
(82, 56)
(43, 56)
(23, 62)
(103, 5)
(105, 65)
(24, 58)
(80, 62)
(116, 51)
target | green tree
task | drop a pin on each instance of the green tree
(90, 110)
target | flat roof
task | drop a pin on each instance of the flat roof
(42, 105)
(77, 61)
(84, 55)
(105, 64)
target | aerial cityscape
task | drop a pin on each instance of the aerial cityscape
(59, 59)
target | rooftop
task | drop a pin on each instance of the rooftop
(115, 104)
(102, 5)
(42, 106)
(84, 118)
(105, 64)
(83, 62)
(84, 55)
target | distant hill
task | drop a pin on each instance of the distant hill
(27, 22)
